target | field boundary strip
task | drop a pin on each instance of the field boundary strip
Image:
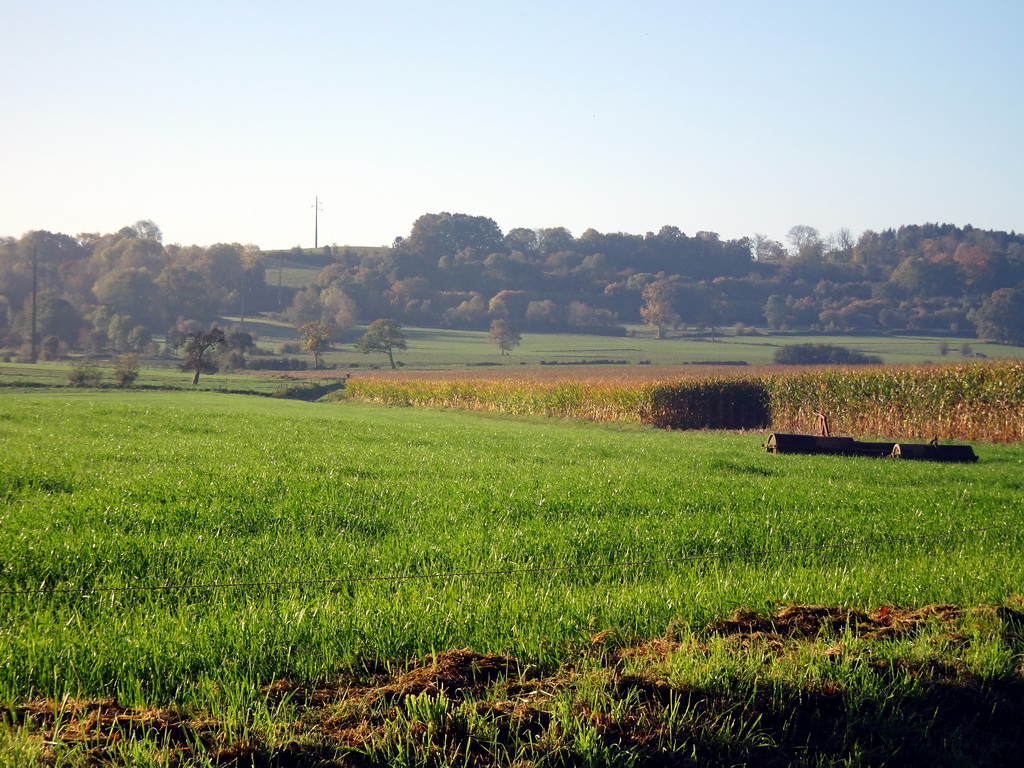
(508, 571)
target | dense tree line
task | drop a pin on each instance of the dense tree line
(113, 293)
(460, 271)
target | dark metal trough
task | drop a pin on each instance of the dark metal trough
(934, 452)
(779, 442)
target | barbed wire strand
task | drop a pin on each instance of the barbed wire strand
(507, 571)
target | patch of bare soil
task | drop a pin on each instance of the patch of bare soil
(811, 621)
(96, 726)
(456, 674)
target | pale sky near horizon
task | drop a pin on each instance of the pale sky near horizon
(223, 121)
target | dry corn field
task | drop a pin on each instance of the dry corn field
(974, 401)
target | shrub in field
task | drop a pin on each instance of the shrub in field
(126, 371)
(50, 348)
(822, 354)
(84, 374)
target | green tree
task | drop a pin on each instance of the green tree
(196, 346)
(470, 313)
(383, 336)
(444, 234)
(57, 317)
(143, 228)
(306, 307)
(84, 374)
(504, 336)
(185, 293)
(129, 292)
(1001, 317)
(316, 338)
(777, 312)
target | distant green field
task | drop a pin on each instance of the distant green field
(154, 374)
(440, 348)
(287, 276)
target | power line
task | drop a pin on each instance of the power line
(508, 571)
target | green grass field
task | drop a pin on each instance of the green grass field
(153, 374)
(445, 348)
(187, 550)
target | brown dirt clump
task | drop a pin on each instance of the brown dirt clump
(454, 674)
(810, 621)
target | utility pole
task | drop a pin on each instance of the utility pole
(35, 284)
(316, 222)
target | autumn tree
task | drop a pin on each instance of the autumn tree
(316, 338)
(659, 309)
(504, 336)
(197, 345)
(383, 336)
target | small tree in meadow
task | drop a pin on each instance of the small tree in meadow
(196, 345)
(383, 336)
(316, 338)
(504, 336)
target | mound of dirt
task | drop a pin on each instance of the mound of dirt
(454, 674)
(811, 621)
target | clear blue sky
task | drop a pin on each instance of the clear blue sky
(222, 121)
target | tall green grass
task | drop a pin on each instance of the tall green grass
(366, 534)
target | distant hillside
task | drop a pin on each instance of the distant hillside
(115, 292)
